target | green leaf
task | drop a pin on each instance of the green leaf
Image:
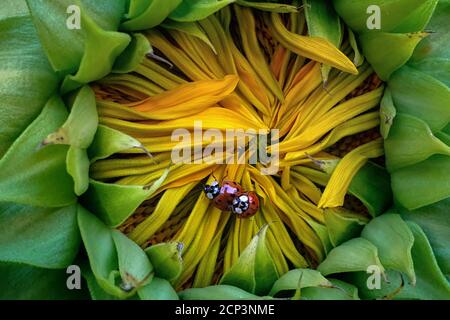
(190, 28)
(322, 233)
(98, 43)
(255, 270)
(420, 95)
(372, 186)
(340, 291)
(135, 268)
(78, 131)
(193, 10)
(152, 13)
(77, 163)
(133, 55)
(41, 237)
(437, 45)
(26, 77)
(343, 225)
(108, 141)
(96, 292)
(22, 282)
(51, 185)
(354, 255)
(411, 141)
(114, 203)
(302, 278)
(422, 184)
(158, 289)
(13, 8)
(75, 52)
(393, 13)
(394, 240)
(387, 113)
(434, 67)
(431, 283)
(101, 251)
(398, 49)
(323, 22)
(136, 8)
(220, 292)
(81, 125)
(166, 260)
(433, 220)
(417, 19)
(268, 6)
(359, 58)
(446, 130)
(444, 137)
(431, 56)
(66, 47)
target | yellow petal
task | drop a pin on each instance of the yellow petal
(187, 99)
(170, 199)
(317, 49)
(252, 49)
(356, 125)
(332, 119)
(283, 238)
(208, 264)
(323, 99)
(306, 187)
(211, 118)
(342, 176)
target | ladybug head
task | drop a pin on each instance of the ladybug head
(240, 204)
(212, 190)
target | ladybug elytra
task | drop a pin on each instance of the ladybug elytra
(245, 204)
(224, 195)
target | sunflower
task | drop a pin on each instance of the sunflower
(332, 116)
(245, 72)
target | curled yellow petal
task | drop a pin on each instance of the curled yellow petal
(211, 118)
(162, 212)
(342, 176)
(186, 99)
(359, 124)
(314, 48)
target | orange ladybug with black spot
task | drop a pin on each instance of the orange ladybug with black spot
(224, 195)
(245, 204)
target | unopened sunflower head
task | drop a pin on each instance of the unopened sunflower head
(242, 69)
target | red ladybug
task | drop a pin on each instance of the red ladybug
(245, 204)
(224, 195)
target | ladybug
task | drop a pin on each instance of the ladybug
(245, 204)
(224, 195)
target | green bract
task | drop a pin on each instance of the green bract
(299, 278)
(39, 237)
(255, 270)
(26, 78)
(166, 258)
(416, 107)
(26, 160)
(323, 22)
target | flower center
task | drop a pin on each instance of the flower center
(242, 75)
